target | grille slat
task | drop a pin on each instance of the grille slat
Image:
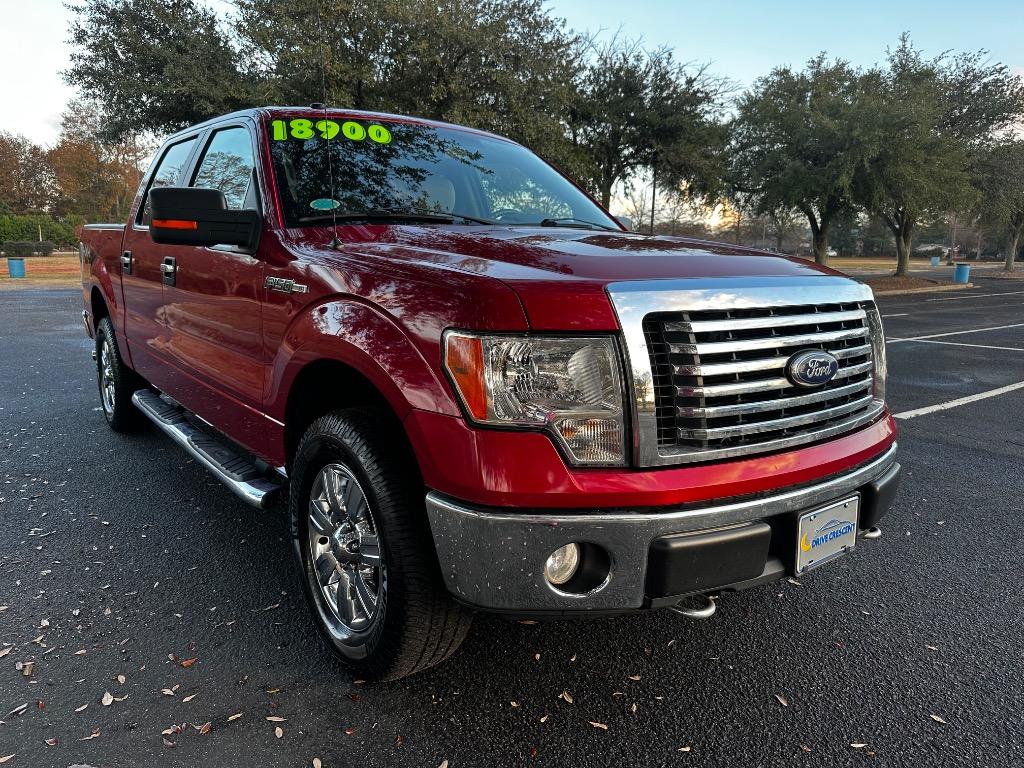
(772, 342)
(773, 321)
(776, 404)
(719, 384)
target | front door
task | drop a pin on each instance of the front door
(212, 304)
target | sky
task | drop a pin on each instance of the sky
(742, 39)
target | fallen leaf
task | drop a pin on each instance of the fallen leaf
(317, 763)
(932, 647)
(26, 668)
(634, 677)
(121, 698)
(7, 757)
(93, 735)
(687, 748)
(107, 699)
(632, 707)
(782, 700)
(51, 742)
(544, 719)
(169, 743)
(205, 727)
(349, 731)
(794, 582)
(515, 704)
(522, 621)
(81, 708)
(234, 716)
(120, 679)
(278, 731)
(6, 650)
(189, 698)
(276, 718)
(166, 691)
(602, 726)
(444, 763)
(938, 719)
(805, 748)
(189, 662)
(80, 653)
(858, 746)
(566, 696)
(273, 690)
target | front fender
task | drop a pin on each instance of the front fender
(356, 334)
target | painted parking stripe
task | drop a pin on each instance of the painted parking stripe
(958, 402)
(977, 296)
(955, 333)
(965, 344)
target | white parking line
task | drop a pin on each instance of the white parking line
(965, 344)
(977, 296)
(958, 402)
(955, 333)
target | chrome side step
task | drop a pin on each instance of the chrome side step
(227, 463)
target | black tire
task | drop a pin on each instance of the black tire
(415, 624)
(116, 391)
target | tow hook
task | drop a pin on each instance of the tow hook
(874, 532)
(705, 611)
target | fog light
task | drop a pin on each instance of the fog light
(562, 564)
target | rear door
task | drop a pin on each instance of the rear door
(141, 283)
(212, 302)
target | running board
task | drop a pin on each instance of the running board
(229, 465)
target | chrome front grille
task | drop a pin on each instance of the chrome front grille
(708, 363)
(720, 374)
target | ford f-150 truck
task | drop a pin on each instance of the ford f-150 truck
(475, 388)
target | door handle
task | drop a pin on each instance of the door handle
(169, 269)
(126, 263)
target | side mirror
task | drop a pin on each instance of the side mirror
(625, 221)
(197, 216)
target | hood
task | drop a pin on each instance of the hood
(560, 274)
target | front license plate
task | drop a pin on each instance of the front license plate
(826, 533)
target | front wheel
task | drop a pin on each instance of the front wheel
(363, 548)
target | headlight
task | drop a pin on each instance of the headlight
(877, 350)
(570, 387)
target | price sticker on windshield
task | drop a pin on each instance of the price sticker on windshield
(303, 129)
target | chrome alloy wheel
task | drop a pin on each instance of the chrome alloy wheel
(107, 383)
(344, 552)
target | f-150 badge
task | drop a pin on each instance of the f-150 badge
(283, 285)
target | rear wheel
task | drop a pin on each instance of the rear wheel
(364, 550)
(116, 381)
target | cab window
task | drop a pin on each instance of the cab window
(168, 172)
(228, 165)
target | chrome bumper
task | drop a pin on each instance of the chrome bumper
(495, 560)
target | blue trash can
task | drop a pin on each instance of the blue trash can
(962, 273)
(935, 261)
(16, 267)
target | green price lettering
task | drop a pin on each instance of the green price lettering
(302, 129)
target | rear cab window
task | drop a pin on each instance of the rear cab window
(168, 173)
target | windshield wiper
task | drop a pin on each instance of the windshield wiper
(396, 213)
(570, 221)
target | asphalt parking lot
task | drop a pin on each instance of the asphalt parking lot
(120, 559)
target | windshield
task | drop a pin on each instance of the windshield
(386, 168)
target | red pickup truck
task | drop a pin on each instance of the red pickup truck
(477, 390)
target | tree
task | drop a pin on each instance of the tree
(796, 143)
(28, 183)
(155, 65)
(639, 109)
(1000, 181)
(931, 118)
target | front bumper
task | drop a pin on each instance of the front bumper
(494, 560)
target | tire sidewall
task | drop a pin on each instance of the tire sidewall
(116, 417)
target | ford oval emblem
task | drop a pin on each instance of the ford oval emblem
(812, 368)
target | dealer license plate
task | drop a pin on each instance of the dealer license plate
(826, 533)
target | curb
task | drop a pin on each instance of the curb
(936, 289)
